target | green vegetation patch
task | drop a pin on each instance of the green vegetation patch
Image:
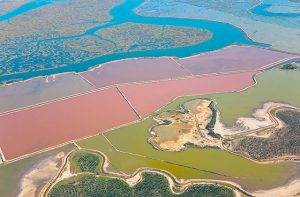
(166, 122)
(151, 185)
(82, 161)
(214, 135)
(211, 125)
(284, 142)
(290, 66)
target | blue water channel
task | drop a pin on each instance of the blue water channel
(32, 5)
(223, 35)
(262, 9)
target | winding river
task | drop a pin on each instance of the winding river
(223, 35)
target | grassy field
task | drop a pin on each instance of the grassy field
(152, 185)
(82, 161)
(275, 85)
(12, 173)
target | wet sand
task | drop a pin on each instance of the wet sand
(290, 189)
(40, 174)
(261, 118)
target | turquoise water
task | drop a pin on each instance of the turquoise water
(25, 8)
(223, 35)
(262, 10)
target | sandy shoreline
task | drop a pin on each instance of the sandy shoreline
(260, 119)
(290, 189)
(39, 174)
